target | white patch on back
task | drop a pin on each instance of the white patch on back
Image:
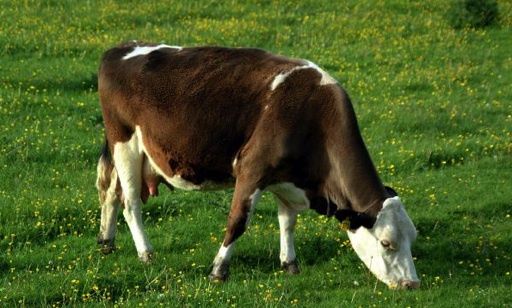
(281, 77)
(326, 78)
(144, 50)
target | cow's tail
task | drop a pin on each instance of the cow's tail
(105, 168)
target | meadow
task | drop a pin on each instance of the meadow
(434, 105)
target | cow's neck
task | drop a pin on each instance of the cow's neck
(357, 186)
(353, 182)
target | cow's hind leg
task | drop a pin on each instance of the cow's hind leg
(244, 201)
(287, 219)
(108, 192)
(128, 161)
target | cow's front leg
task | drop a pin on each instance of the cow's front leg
(221, 263)
(287, 220)
(129, 170)
(242, 207)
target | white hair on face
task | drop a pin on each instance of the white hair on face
(385, 248)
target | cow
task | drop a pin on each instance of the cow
(200, 118)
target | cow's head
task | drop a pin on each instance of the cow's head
(385, 248)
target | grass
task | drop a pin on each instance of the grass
(433, 105)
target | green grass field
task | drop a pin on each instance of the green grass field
(434, 105)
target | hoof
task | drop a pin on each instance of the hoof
(217, 279)
(219, 273)
(291, 268)
(106, 246)
(146, 257)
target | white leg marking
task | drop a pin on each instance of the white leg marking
(221, 262)
(144, 50)
(133, 215)
(109, 208)
(287, 220)
(128, 161)
(291, 200)
(224, 254)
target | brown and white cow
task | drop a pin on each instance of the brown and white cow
(210, 117)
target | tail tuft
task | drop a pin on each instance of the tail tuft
(105, 167)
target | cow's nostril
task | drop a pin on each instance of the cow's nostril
(408, 284)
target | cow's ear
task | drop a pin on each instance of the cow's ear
(342, 215)
(361, 220)
(391, 191)
(354, 220)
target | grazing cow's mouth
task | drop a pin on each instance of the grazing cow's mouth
(405, 284)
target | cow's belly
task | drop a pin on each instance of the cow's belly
(153, 176)
(183, 177)
(179, 182)
(289, 194)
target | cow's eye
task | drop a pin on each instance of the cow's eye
(386, 244)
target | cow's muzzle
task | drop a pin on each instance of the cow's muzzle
(407, 284)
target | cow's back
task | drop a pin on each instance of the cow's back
(196, 107)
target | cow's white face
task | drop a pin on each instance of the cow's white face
(386, 248)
